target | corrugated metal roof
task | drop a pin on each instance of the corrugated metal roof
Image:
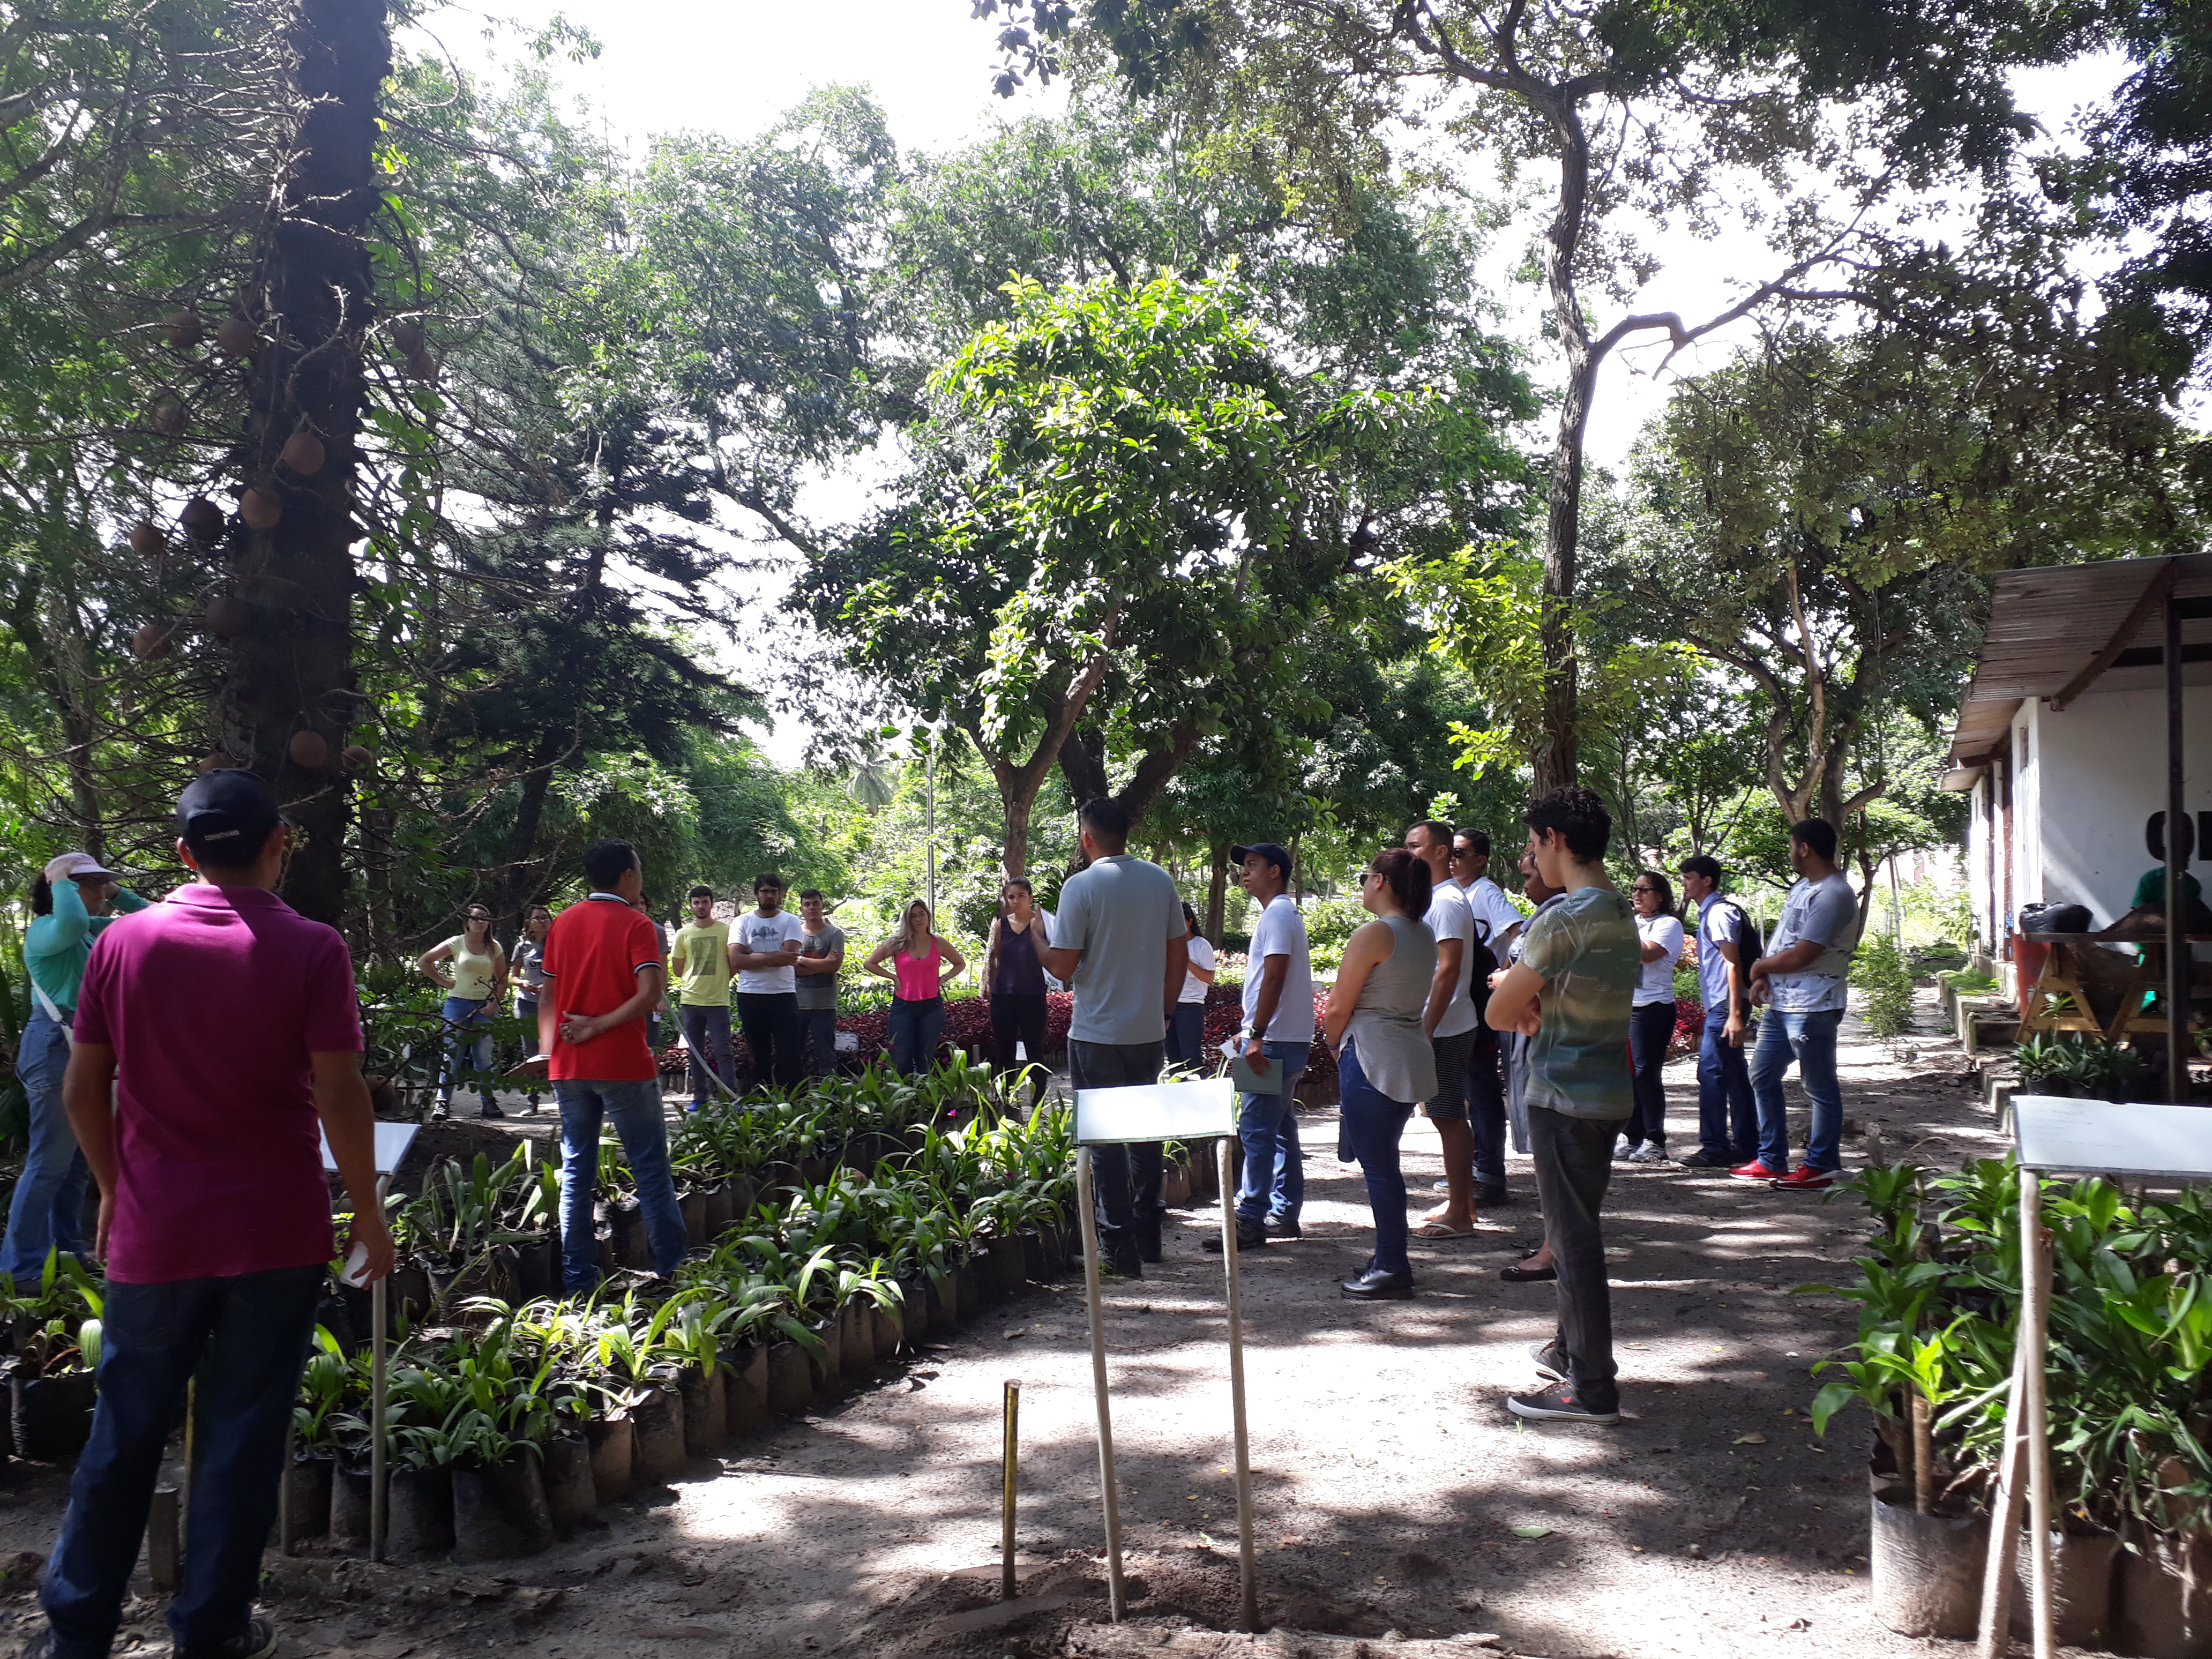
(2047, 625)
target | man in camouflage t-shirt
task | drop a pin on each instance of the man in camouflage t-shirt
(1568, 995)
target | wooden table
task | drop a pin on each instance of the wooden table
(2059, 999)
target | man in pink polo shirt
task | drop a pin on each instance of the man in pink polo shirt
(222, 1026)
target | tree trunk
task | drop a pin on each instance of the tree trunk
(292, 671)
(1217, 892)
(1017, 805)
(1555, 760)
(1083, 763)
(519, 882)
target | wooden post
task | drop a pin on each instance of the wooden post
(2035, 1313)
(379, 1496)
(2004, 1514)
(2178, 824)
(1247, 1567)
(1008, 1587)
(1116, 1602)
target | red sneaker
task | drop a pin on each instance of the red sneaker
(1755, 1170)
(1804, 1179)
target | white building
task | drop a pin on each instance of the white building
(2062, 737)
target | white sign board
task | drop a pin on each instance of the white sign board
(2093, 1137)
(392, 1141)
(1189, 1111)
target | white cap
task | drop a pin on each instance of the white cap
(79, 866)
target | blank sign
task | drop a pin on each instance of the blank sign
(1192, 1111)
(392, 1141)
(2093, 1137)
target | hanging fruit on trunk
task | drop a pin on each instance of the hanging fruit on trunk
(410, 337)
(309, 749)
(303, 453)
(202, 517)
(150, 641)
(228, 617)
(169, 417)
(422, 365)
(181, 329)
(359, 758)
(260, 509)
(235, 336)
(146, 541)
(210, 764)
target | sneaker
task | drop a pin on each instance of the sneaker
(1805, 1179)
(490, 1108)
(1702, 1159)
(1626, 1149)
(1551, 1363)
(1651, 1151)
(1490, 1198)
(1375, 1284)
(1284, 1226)
(1559, 1404)
(257, 1641)
(442, 1111)
(1755, 1170)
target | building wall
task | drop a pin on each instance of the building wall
(2084, 784)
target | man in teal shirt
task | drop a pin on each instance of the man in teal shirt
(75, 897)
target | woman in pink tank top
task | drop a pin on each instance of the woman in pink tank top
(917, 963)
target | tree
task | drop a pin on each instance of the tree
(1126, 485)
(1818, 516)
(1641, 112)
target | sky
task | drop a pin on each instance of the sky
(733, 66)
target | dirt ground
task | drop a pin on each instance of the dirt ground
(1393, 1490)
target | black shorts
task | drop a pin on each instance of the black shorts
(1452, 1055)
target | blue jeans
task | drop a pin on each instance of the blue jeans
(1187, 1034)
(246, 1339)
(1810, 1039)
(1727, 1118)
(914, 1029)
(707, 1034)
(463, 1051)
(817, 1031)
(1274, 1182)
(634, 1107)
(48, 1209)
(1372, 1122)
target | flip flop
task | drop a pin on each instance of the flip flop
(1442, 1230)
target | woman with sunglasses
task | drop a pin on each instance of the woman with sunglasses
(1651, 1018)
(1385, 1061)
(473, 968)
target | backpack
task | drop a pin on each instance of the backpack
(1750, 944)
(1478, 984)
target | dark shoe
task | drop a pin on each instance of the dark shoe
(1702, 1159)
(258, 1641)
(1489, 1198)
(1123, 1263)
(1559, 1404)
(1518, 1275)
(1148, 1237)
(1550, 1358)
(1375, 1286)
(1283, 1227)
(490, 1108)
(1247, 1238)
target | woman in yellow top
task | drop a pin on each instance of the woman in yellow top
(473, 968)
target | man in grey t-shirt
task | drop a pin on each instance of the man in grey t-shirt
(821, 954)
(1119, 939)
(1802, 981)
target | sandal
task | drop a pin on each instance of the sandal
(1442, 1230)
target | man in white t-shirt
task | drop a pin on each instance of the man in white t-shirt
(764, 943)
(1279, 1026)
(1498, 924)
(1802, 981)
(1449, 1021)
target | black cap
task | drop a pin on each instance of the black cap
(226, 816)
(1267, 850)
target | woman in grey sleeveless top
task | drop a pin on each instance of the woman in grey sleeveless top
(1385, 1062)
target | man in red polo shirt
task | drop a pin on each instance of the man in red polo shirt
(221, 1026)
(602, 976)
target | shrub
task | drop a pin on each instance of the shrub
(1884, 982)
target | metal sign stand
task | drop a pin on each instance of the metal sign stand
(2053, 1136)
(1189, 1111)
